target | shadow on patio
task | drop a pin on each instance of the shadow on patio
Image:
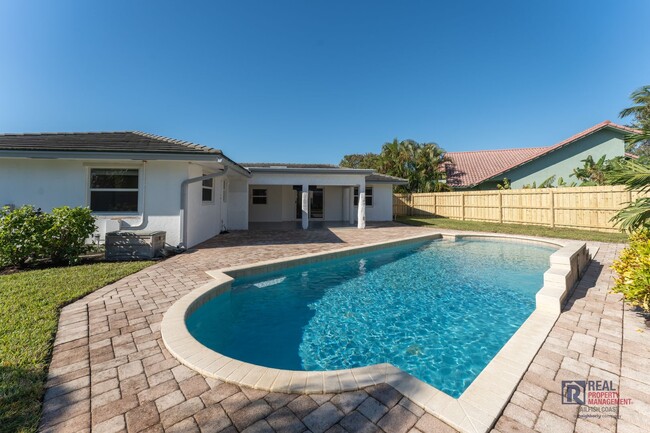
(287, 233)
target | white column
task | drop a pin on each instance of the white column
(361, 218)
(351, 207)
(305, 207)
(346, 203)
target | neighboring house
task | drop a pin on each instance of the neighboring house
(485, 169)
(138, 181)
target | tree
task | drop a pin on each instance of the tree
(420, 163)
(635, 174)
(638, 143)
(592, 172)
(636, 177)
(361, 160)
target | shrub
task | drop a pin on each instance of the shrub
(633, 269)
(21, 235)
(27, 234)
(67, 233)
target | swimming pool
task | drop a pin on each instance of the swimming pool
(438, 310)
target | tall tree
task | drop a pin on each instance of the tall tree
(636, 174)
(361, 160)
(636, 177)
(639, 143)
(420, 163)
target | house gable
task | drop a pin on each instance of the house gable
(485, 169)
(562, 161)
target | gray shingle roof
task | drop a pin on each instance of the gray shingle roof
(124, 142)
(286, 165)
(384, 178)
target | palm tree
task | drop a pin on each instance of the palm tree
(430, 159)
(636, 177)
(641, 113)
(419, 163)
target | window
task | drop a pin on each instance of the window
(368, 196)
(114, 190)
(207, 190)
(259, 196)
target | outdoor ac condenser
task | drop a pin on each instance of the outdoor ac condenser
(130, 245)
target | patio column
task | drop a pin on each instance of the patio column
(351, 207)
(305, 207)
(361, 217)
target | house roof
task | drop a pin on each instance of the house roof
(286, 165)
(280, 167)
(471, 168)
(123, 142)
(108, 145)
(384, 178)
(468, 169)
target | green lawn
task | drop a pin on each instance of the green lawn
(30, 302)
(515, 229)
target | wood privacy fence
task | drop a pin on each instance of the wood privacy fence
(588, 207)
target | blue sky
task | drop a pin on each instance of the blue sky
(309, 81)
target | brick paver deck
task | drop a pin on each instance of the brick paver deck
(110, 371)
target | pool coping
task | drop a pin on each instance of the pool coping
(475, 411)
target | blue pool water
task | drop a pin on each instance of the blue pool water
(439, 310)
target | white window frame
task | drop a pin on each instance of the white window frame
(207, 187)
(371, 196)
(265, 196)
(139, 189)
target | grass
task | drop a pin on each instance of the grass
(30, 302)
(515, 229)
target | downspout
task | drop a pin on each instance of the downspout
(184, 188)
(145, 217)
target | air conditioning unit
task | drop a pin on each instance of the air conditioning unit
(132, 245)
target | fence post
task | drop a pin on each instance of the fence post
(552, 207)
(500, 207)
(410, 202)
(435, 204)
(462, 204)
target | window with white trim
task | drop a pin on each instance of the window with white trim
(114, 189)
(207, 190)
(259, 196)
(368, 196)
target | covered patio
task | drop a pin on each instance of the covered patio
(308, 194)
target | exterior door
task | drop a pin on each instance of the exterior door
(315, 202)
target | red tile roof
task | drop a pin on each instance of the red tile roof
(471, 168)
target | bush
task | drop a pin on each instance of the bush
(21, 235)
(27, 234)
(67, 233)
(633, 269)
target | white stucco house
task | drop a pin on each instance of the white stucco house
(143, 182)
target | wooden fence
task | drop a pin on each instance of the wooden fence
(589, 207)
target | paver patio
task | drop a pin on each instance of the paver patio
(111, 372)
